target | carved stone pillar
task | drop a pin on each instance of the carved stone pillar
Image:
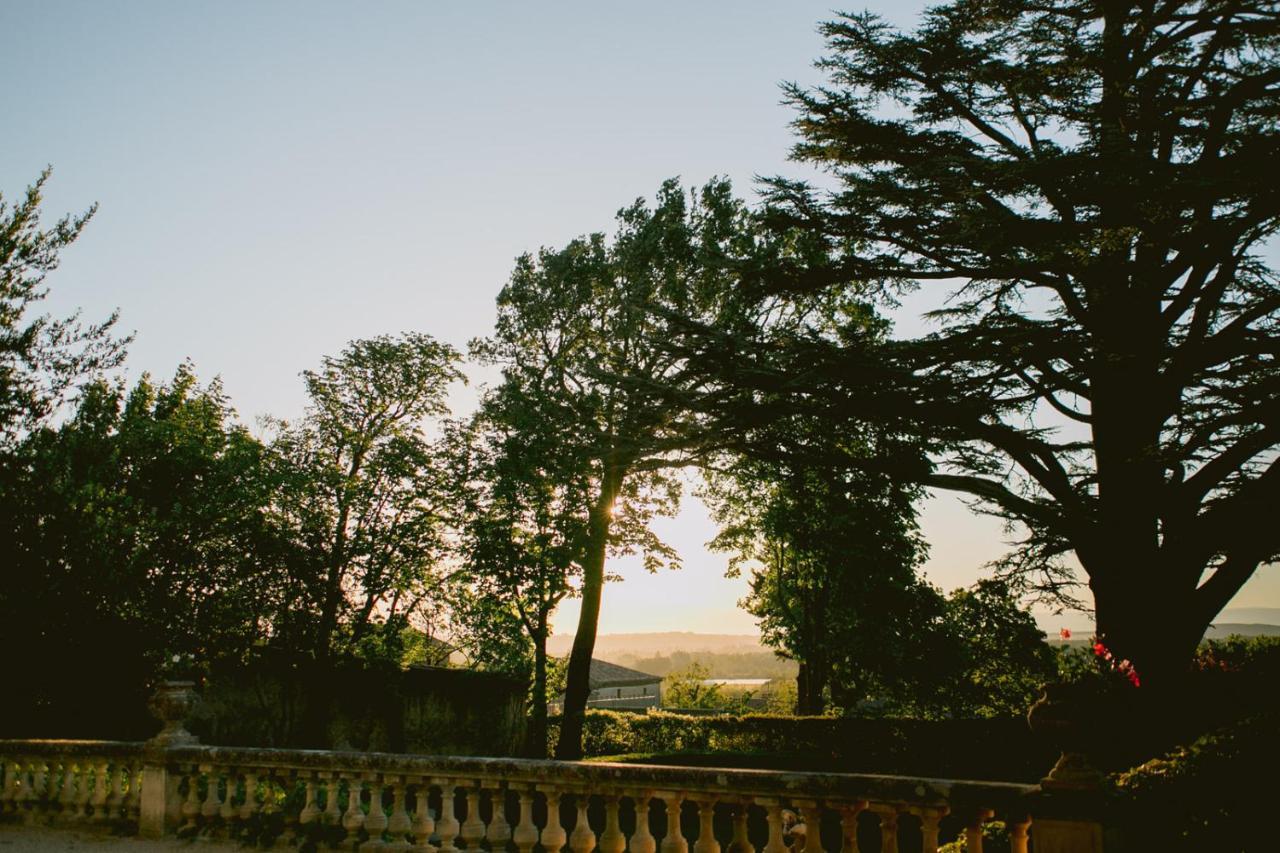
(159, 807)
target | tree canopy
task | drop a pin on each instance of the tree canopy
(42, 359)
(1077, 186)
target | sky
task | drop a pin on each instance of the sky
(276, 179)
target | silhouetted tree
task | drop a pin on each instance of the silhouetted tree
(1086, 181)
(522, 530)
(364, 494)
(577, 336)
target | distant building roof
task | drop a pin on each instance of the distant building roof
(605, 674)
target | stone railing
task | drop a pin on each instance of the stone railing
(390, 802)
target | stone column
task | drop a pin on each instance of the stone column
(160, 808)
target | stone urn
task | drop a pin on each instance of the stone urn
(171, 704)
(1067, 716)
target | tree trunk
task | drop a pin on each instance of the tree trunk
(578, 683)
(1156, 630)
(536, 740)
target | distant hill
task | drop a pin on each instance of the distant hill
(1246, 621)
(664, 643)
(1244, 629)
(1249, 621)
(1251, 615)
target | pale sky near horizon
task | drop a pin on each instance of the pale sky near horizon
(276, 179)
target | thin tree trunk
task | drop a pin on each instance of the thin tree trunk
(537, 735)
(578, 683)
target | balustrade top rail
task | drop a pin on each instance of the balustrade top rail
(587, 775)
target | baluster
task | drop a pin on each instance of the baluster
(288, 783)
(229, 814)
(706, 842)
(100, 792)
(423, 822)
(84, 800)
(773, 814)
(973, 832)
(499, 829)
(212, 808)
(849, 826)
(1018, 835)
(526, 832)
(375, 822)
(39, 782)
(612, 840)
(270, 806)
(553, 834)
(447, 826)
(582, 839)
(642, 840)
(332, 814)
(270, 800)
(310, 812)
(811, 816)
(18, 785)
(888, 829)
(249, 808)
(473, 827)
(191, 807)
(133, 795)
(115, 798)
(8, 784)
(353, 818)
(741, 843)
(398, 824)
(67, 790)
(673, 841)
(929, 817)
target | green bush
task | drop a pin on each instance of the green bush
(1211, 794)
(995, 839)
(998, 749)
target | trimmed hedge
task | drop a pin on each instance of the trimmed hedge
(993, 749)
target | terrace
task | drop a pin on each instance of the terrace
(172, 790)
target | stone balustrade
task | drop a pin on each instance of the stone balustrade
(363, 801)
(387, 802)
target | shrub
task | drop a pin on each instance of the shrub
(1207, 795)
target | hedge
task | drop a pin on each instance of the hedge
(1212, 794)
(998, 749)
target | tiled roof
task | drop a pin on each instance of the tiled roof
(605, 674)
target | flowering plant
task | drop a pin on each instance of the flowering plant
(179, 666)
(1109, 662)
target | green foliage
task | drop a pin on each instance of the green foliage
(136, 530)
(363, 496)
(579, 337)
(1201, 796)
(687, 688)
(42, 359)
(1074, 189)
(833, 554)
(1003, 658)
(522, 533)
(995, 839)
(969, 749)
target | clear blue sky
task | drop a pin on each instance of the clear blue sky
(278, 178)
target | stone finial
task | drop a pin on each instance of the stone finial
(171, 704)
